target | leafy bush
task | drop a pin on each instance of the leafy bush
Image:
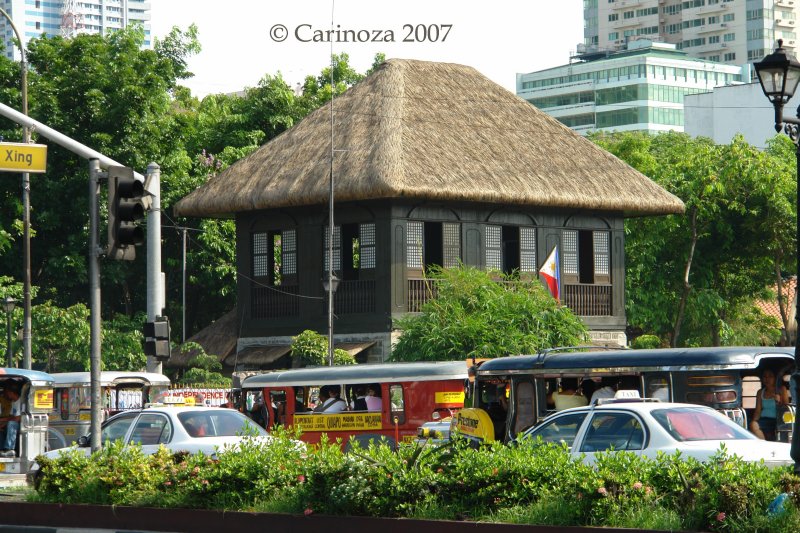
(529, 483)
(644, 342)
(311, 348)
(476, 314)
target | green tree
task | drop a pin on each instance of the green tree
(474, 315)
(693, 278)
(204, 369)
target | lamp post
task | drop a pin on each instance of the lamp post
(779, 75)
(9, 304)
(26, 208)
(330, 283)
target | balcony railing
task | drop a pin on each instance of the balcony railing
(354, 296)
(419, 292)
(584, 299)
(588, 299)
(275, 302)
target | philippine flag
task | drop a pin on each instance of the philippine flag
(551, 272)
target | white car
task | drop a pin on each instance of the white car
(191, 429)
(649, 427)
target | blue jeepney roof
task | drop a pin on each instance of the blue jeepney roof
(366, 373)
(662, 359)
(34, 376)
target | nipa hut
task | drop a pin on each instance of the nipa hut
(432, 164)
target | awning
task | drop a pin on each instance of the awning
(354, 348)
(258, 355)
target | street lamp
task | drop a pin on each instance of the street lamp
(779, 75)
(9, 304)
(330, 283)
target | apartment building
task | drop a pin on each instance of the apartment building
(34, 18)
(640, 87)
(727, 31)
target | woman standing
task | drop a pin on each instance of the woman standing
(768, 400)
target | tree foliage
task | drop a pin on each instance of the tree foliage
(311, 348)
(692, 279)
(475, 315)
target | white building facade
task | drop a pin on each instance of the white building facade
(639, 89)
(738, 109)
(68, 17)
(729, 31)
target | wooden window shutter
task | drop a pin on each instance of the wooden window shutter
(366, 245)
(527, 249)
(494, 242)
(414, 245)
(451, 237)
(289, 255)
(602, 257)
(337, 248)
(569, 243)
(261, 251)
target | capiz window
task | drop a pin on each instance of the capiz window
(274, 255)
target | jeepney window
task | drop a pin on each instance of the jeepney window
(398, 404)
(278, 399)
(85, 399)
(525, 415)
(657, 387)
(155, 391)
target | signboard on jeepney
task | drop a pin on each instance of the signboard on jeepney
(338, 422)
(22, 157)
(43, 399)
(449, 397)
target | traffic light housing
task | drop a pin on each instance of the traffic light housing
(125, 210)
(156, 338)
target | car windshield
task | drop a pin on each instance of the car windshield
(694, 423)
(218, 423)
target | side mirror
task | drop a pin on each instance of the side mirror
(83, 441)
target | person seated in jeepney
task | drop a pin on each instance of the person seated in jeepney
(359, 403)
(770, 398)
(9, 418)
(330, 402)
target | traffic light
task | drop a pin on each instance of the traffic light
(125, 209)
(156, 338)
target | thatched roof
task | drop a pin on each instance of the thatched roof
(438, 131)
(218, 338)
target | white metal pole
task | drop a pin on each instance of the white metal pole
(155, 281)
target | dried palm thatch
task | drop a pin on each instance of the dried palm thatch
(218, 339)
(436, 131)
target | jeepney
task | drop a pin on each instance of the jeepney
(405, 396)
(35, 391)
(70, 416)
(725, 378)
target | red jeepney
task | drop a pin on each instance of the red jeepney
(404, 396)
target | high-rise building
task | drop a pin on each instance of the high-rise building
(729, 31)
(640, 88)
(69, 17)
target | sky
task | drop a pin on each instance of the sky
(243, 40)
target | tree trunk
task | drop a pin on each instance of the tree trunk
(686, 286)
(781, 301)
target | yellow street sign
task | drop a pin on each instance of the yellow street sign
(20, 157)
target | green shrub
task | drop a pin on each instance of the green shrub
(528, 483)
